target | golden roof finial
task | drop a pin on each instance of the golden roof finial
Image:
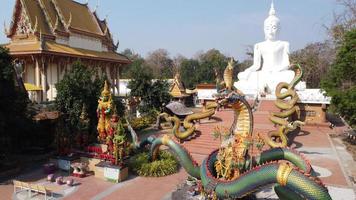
(106, 90)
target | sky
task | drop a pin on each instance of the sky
(186, 27)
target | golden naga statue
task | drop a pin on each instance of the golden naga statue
(227, 82)
(228, 72)
(104, 112)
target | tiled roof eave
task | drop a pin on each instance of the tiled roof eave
(121, 61)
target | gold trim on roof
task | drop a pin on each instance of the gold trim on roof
(34, 47)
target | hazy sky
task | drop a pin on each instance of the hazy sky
(188, 26)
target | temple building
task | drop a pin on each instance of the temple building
(47, 36)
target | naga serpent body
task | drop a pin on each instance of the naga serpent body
(208, 111)
(293, 179)
(288, 108)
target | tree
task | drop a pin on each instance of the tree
(340, 80)
(212, 59)
(141, 80)
(77, 88)
(159, 94)
(161, 64)
(152, 93)
(344, 21)
(14, 123)
(202, 70)
(188, 72)
(315, 59)
(136, 60)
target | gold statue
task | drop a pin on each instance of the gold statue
(105, 106)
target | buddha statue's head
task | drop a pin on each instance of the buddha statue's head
(272, 25)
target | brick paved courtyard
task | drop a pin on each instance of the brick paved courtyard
(327, 155)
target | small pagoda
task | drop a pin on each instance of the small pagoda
(47, 36)
(179, 92)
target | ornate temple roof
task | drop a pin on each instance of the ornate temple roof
(177, 89)
(45, 21)
(48, 16)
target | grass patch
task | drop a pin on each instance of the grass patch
(165, 165)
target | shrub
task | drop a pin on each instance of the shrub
(153, 94)
(144, 121)
(77, 88)
(140, 123)
(166, 164)
(15, 126)
(340, 82)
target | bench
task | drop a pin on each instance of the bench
(40, 189)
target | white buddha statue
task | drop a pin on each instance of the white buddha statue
(270, 63)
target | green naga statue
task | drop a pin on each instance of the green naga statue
(232, 171)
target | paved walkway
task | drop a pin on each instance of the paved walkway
(327, 155)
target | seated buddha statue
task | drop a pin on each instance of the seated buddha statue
(270, 62)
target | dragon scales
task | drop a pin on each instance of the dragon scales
(294, 177)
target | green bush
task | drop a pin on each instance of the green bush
(144, 121)
(166, 165)
(77, 88)
(16, 126)
(340, 82)
(140, 123)
(120, 106)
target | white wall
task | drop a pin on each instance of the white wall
(29, 75)
(62, 40)
(206, 94)
(124, 91)
(85, 42)
(52, 79)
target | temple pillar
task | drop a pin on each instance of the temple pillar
(37, 73)
(44, 81)
(112, 78)
(38, 79)
(117, 76)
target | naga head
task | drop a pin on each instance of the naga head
(226, 96)
(231, 63)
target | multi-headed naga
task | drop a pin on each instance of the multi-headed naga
(287, 98)
(293, 179)
(233, 172)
